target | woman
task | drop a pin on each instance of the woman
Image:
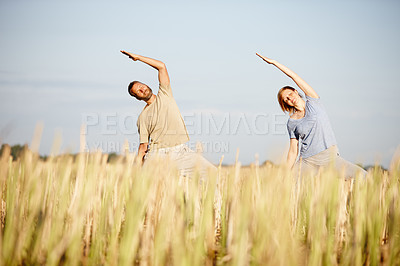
(309, 124)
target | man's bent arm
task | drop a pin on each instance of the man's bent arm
(141, 152)
(163, 77)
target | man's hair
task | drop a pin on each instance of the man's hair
(131, 93)
(284, 106)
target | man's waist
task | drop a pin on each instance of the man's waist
(164, 147)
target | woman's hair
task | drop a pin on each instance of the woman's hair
(284, 106)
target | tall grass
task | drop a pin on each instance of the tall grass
(83, 210)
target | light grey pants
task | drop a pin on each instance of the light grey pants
(186, 159)
(326, 158)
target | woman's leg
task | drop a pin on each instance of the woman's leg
(304, 168)
(349, 169)
(324, 159)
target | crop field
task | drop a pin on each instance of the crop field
(83, 210)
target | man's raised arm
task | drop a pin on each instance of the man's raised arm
(163, 77)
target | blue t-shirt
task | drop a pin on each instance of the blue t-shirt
(313, 130)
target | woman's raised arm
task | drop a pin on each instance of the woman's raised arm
(307, 89)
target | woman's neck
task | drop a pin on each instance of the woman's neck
(301, 106)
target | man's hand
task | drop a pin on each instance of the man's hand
(134, 57)
(269, 61)
(142, 150)
(163, 77)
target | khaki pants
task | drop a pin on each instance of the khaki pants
(330, 156)
(186, 159)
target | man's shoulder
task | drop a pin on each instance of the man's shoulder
(166, 86)
(165, 89)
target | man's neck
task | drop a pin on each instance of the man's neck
(151, 100)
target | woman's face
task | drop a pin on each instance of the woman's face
(290, 97)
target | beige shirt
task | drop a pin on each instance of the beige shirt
(161, 122)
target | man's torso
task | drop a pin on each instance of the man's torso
(161, 122)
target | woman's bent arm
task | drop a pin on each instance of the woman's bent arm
(292, 154)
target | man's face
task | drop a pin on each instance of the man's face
(142, 91)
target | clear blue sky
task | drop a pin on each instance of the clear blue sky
(60, 64)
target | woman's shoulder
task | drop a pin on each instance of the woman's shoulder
(311, 100)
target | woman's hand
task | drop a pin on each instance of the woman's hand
(134, 57)
(269, 61)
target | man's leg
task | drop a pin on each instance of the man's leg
(189, 161)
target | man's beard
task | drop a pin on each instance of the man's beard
(148, 96)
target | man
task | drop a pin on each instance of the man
(161, 124)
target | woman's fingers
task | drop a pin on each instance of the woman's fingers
(262, 57)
